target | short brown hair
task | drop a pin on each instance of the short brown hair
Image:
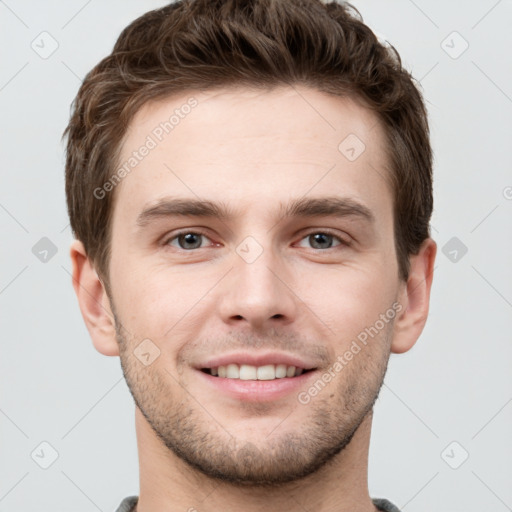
(206, 44)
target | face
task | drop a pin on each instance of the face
(253, 238)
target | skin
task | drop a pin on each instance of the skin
(252, 150)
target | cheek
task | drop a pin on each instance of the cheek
(157, 302)
(351, 300)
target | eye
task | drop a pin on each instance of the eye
(187, 240)
(324, 240)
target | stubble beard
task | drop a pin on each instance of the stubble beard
(203, 442)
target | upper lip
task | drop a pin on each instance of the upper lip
(257, 359)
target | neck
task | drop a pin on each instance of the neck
(168, 483)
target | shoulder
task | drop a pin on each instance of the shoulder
(128, 504)
(385, 505)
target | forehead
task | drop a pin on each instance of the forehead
(255, 147)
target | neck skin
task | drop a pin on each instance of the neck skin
(167, 483)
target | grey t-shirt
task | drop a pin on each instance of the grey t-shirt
(128, 505)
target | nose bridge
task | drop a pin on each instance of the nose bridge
(257, 292)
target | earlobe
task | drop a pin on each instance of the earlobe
(93, 301)
(414, 298)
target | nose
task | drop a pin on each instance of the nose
(258, 293)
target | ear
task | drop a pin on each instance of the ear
(93, 301)
(414, 297)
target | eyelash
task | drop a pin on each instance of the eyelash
(342, 242)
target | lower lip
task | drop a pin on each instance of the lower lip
(257, 390)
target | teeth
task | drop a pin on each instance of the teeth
(232, 371)
(267, 372)
(290, 372)
(249, 372)
(280, 371)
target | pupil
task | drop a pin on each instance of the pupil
(319, 238)
(188, 239)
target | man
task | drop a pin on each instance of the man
(250, 187)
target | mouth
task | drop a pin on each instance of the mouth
(256, 376)
(250, 383)
(249, 372)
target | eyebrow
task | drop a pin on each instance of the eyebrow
(303, 208)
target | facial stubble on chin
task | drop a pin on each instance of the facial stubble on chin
(190, 432)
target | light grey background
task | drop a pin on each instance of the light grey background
(454, 385)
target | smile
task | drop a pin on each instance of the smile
(250, 372)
